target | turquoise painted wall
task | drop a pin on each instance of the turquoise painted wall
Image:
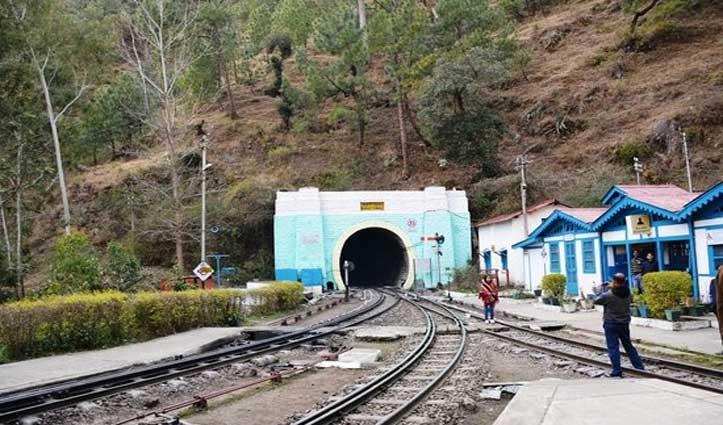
(304, 244)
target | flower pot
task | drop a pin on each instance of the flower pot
(546, 300)
(643, 310)
(672, 315)
(555, 301)
(686, 311)
(634, 311)
(569, 307)
(538, 292)
(699, 310)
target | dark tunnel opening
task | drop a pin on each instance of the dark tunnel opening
(379, 257)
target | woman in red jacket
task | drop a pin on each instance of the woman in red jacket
(489, 295)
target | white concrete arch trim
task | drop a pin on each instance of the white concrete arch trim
(408, 284)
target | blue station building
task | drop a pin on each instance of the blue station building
(683, 230)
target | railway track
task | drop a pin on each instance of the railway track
(389, 397)
(40, 399)
(596, 355)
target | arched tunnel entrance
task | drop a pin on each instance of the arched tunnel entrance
(379, 256)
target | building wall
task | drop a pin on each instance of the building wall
(503, 235)
(708, 232)
(585, 281)
(311, 226)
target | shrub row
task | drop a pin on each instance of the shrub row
(60, 324)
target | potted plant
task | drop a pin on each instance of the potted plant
(569, 305)
(640, 304)
(698, 310)
(538, 292)
(672, 314)
(553, 286)
(634, 310)
(546, 300)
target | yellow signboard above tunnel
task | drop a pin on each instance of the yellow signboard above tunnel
(371, 206)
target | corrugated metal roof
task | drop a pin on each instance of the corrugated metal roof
(507, 217)
(587, 215)
(666, 196)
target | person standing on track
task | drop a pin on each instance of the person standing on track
(616, 323)
(489, 295)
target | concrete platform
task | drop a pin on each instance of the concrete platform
(706, 341)
(611, 401)
(45, 370)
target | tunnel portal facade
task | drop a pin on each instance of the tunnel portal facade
(382, 232)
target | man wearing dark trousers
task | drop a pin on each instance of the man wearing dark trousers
(616, 323)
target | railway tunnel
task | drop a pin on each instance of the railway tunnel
(379, 256)
(384, 233)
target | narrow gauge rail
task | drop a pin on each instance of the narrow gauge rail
(50, 397)
(664, 363)
(384, 385)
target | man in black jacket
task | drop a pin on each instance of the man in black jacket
(616, 323)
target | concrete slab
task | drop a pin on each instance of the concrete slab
(14, 376)
(365, 356)
(545, 326)
(340, 365)
(385, 333)
(606, 401)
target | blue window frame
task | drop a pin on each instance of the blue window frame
(716, 257)
(588, 257)
(488, 260)
(503, 257)
(554, 257)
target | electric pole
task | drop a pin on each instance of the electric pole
(638, 167)
(204, 166)
(687, 162)
(521, 163)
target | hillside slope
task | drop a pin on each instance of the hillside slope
(583, 108)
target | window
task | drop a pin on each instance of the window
(488, 260)
(717, 257)
(503, 257)
(588, 257)
(554, 257)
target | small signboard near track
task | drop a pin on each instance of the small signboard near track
(203, 271)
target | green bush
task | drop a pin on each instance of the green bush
(553, 285)
(278, 296)
(666, 290)
(122, 268)
(466, 278)
(67, 323)
(625, 152)
(74, 267)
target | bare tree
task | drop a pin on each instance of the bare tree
(6, 236)
(642, 12)
(402, 130)
(161, 29)
(40, 64)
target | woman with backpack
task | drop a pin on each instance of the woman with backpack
(489, 295)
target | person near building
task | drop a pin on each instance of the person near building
(719, 301)
(490, 296)
(616, 324)
(636, 269)
(712, 287)
(649, 266)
